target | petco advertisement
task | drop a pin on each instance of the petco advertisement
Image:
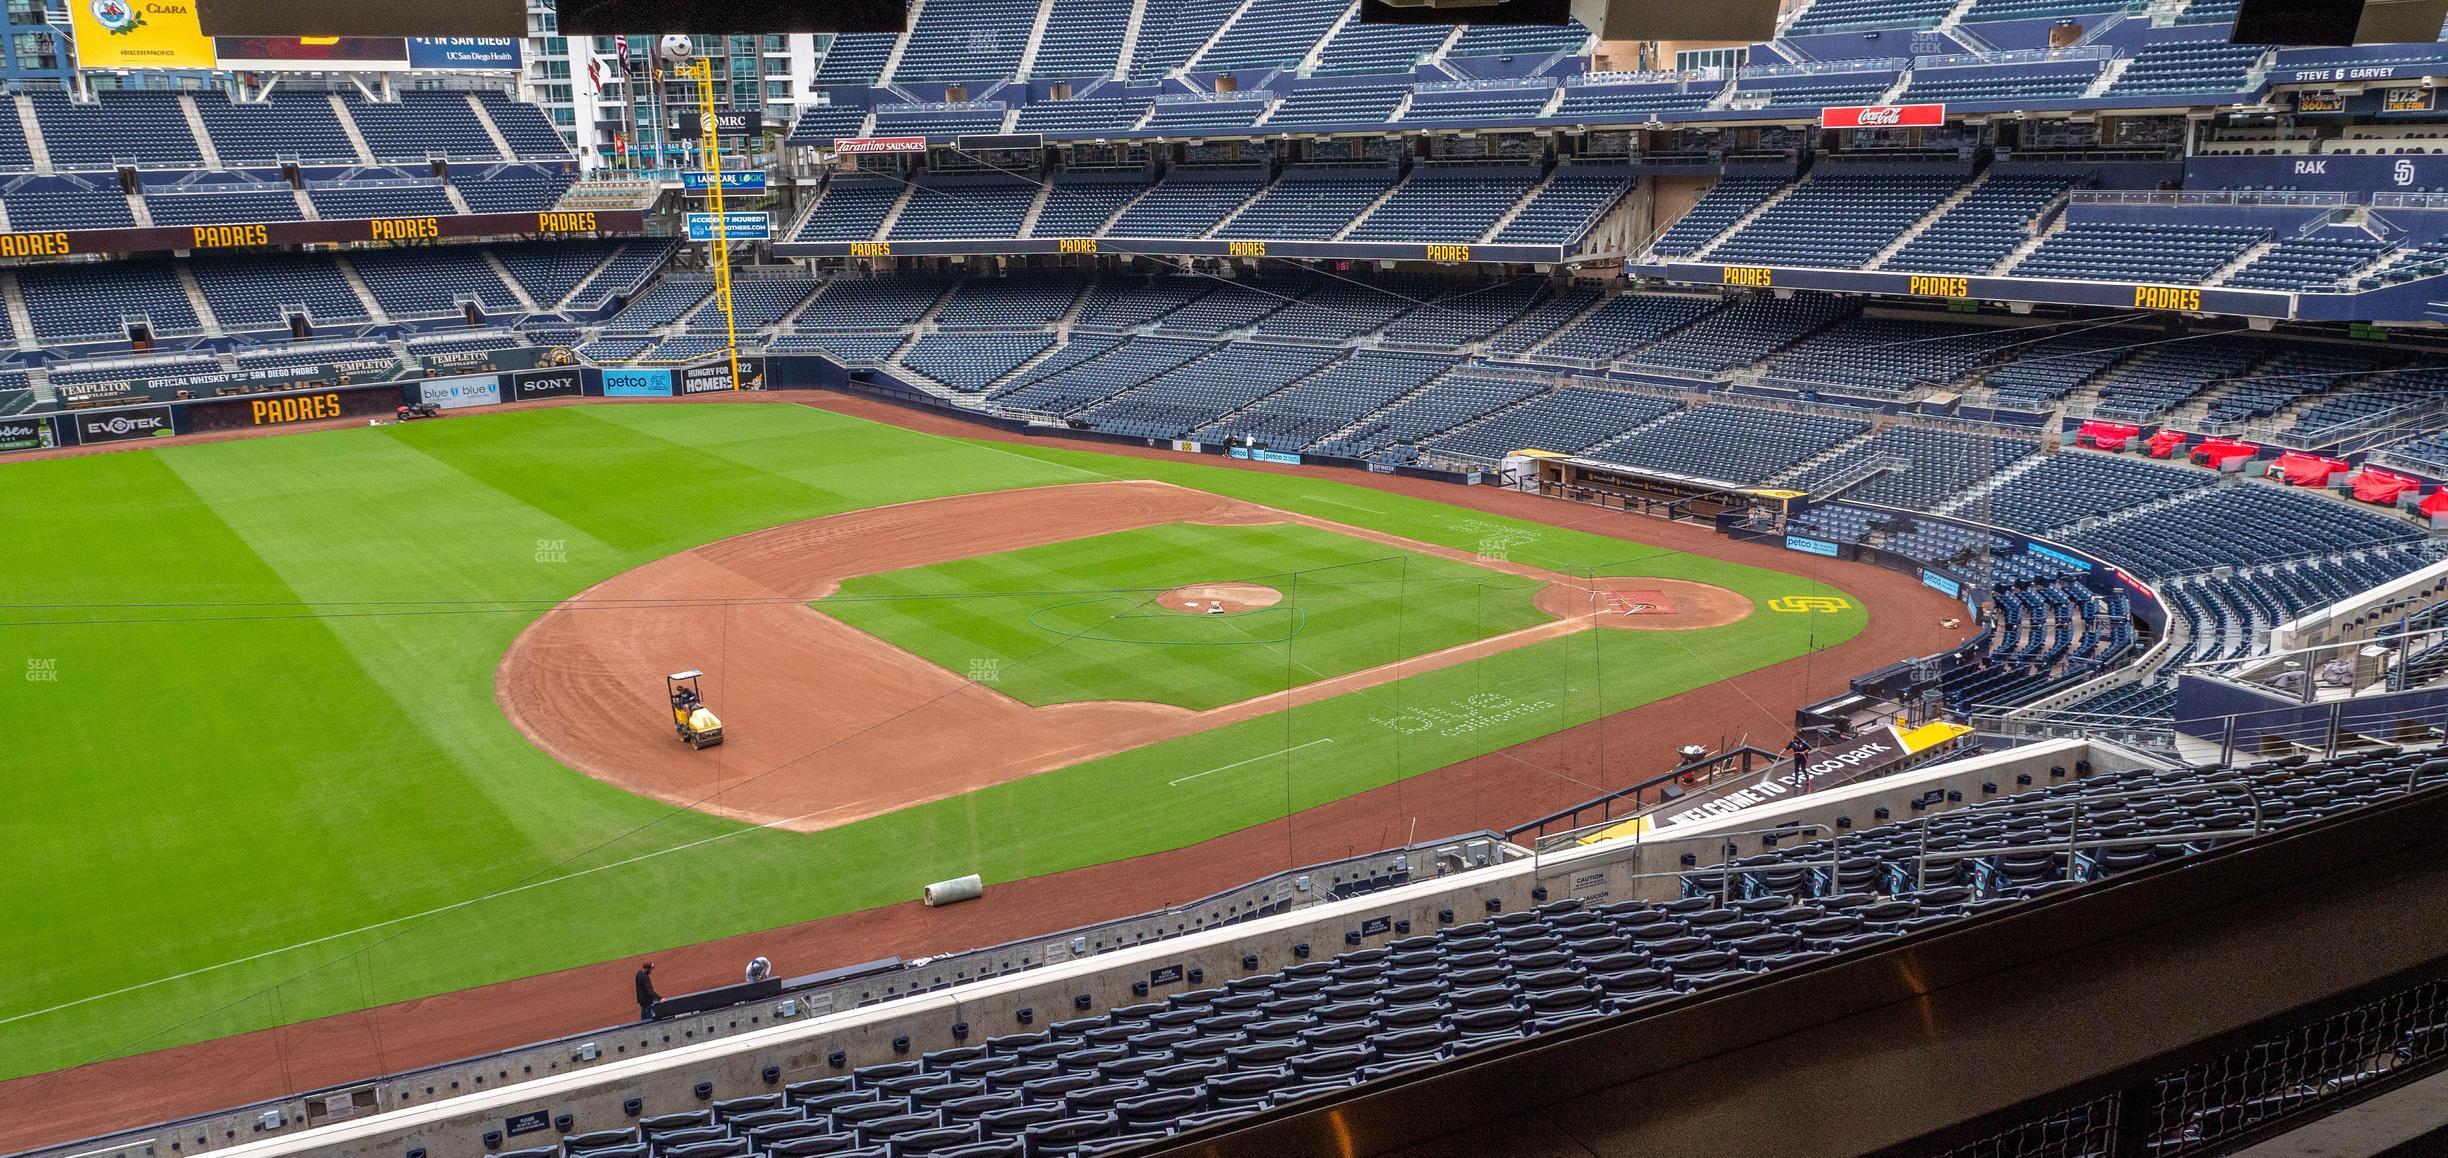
(637, 383)
(527, 385)
(124, 425)
(454, 393)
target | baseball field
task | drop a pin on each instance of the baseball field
(314, 723)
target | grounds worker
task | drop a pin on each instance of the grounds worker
(646, 995)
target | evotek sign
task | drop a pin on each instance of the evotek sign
(1882, 117)
(858, 145)
(120, 426)
(25, 434)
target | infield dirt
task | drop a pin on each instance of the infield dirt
(826, 724)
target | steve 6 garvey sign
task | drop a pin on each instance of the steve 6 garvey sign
(1882, 117)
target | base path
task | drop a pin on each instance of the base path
(825, 724)
(1496, 790)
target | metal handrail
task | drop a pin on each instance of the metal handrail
(1711, 762)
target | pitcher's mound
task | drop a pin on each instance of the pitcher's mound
(1219, 598)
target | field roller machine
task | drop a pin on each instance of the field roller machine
(697, 724)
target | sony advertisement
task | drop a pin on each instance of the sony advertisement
(562, 382)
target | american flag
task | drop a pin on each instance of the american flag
(620, 52)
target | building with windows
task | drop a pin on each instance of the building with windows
(609, 107)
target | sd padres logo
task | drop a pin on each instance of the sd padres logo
(117, 17)
(1809, 604)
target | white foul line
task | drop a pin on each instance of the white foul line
(412, 916)
(1234, 764)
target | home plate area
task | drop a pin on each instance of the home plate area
(1631, 602)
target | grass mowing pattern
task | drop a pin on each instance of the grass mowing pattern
(270, 802)
(1075, 620)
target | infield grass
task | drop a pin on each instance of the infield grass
(1084, 619)
(258, 774)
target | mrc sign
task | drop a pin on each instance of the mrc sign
(1882, 117)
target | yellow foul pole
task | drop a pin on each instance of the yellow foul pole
(710, 143)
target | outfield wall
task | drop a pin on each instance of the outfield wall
(318, 394)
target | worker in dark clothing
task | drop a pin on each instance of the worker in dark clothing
(1800, 749)
(646, 994)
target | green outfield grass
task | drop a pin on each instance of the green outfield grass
(257, 773)
(1080, 620)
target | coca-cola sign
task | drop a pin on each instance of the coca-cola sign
(1882, 117)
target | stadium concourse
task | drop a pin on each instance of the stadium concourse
(2016, 427)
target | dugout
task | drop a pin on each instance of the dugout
(1654, 492)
